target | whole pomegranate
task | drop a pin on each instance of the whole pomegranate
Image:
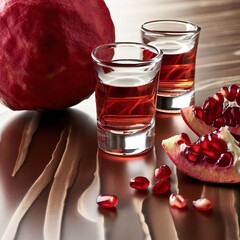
(45, 51)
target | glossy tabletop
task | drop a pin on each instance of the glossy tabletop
(138, 215)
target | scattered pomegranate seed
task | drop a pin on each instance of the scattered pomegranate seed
(139, 183)
(202, 204)
(161, 186)
(163, 172)
(107, 201)
(177, 201)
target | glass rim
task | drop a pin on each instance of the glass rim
(196, 29)
(156, 58)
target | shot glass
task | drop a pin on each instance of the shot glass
(127, 75)
(179, 42)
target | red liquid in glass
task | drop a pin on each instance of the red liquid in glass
(177, 71)
(126, 108)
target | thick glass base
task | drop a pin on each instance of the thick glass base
(119, 143)
(173, 104)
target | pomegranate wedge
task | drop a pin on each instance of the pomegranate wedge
(214, 157)
(222, 109)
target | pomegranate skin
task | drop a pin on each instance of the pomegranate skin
(202, 170)
(46, 49)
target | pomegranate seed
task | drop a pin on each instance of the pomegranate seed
(233, 123)
(236, 114)
(204, 143)
(198, 111)
(107, 201)
(210, 160)
(211, 153)
(232, 92)
(209, 103)
(218, 144)
(177, 201)
(219, 122)
(161, 186)
(207, 147)
(225, 160)
(184, 139)
(191, 155)
(208, 116)
(229, 118)
(224, 91)
(139, 183)
(202, 204)
(217, 110)
(219, 97)
(196, 147)
(238, 97)
(163, 172)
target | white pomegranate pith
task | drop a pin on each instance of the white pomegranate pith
(232, 144)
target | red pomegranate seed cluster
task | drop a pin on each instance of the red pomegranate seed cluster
(209, 148)
(223, 109)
